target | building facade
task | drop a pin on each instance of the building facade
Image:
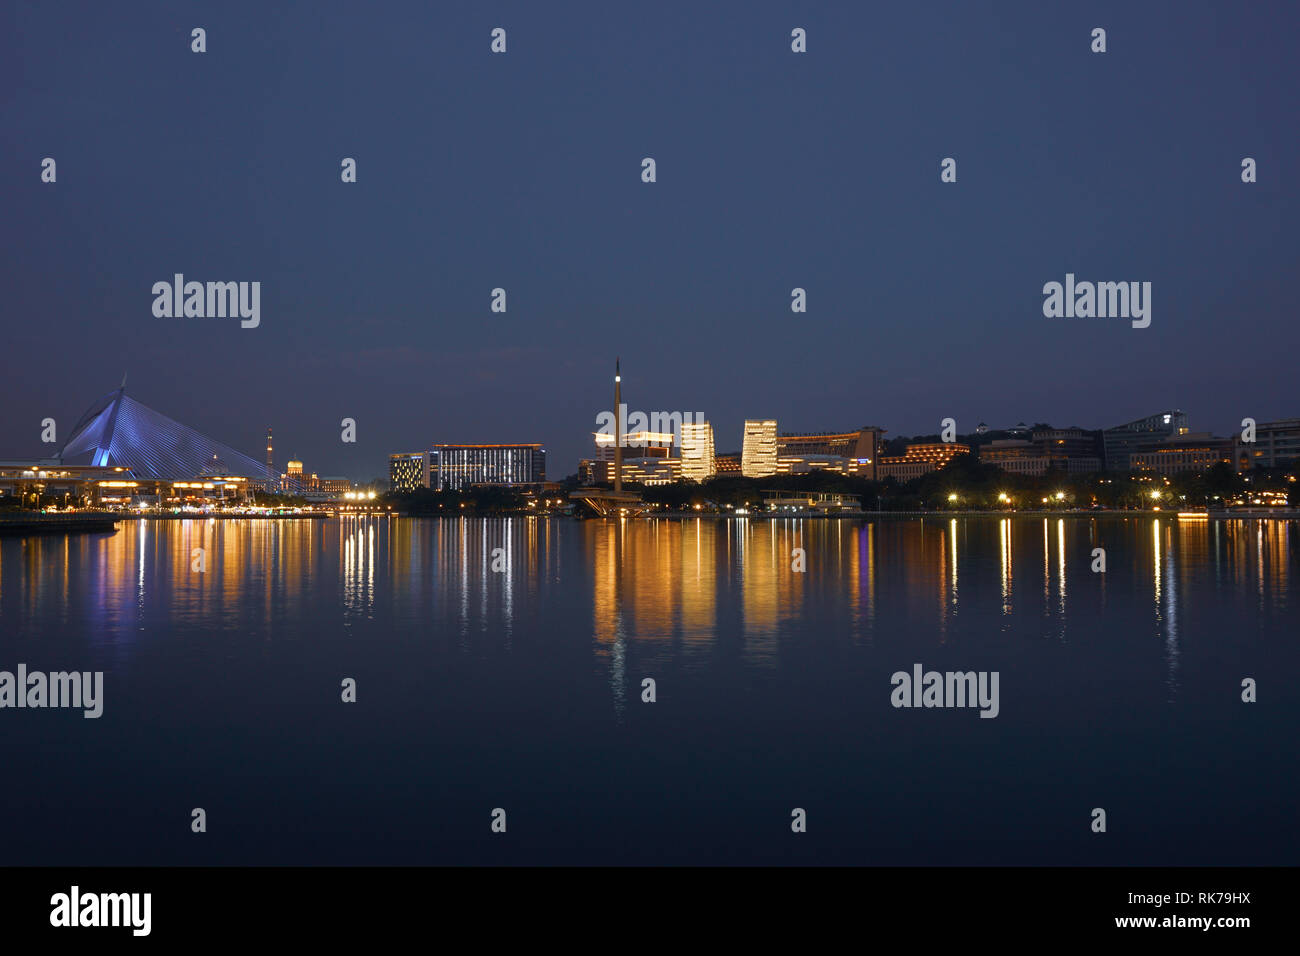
(407, 471)
(697, 451)
(454, 467)
(1144, 434)
(1276, 445)
(919, 459)
(1191, 453)
(758, 448)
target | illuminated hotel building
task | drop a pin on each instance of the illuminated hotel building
(697, 451)
(459, 466)
(919, 460)
(758, 450)
(408, 471)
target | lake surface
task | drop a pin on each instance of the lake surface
(521, 689)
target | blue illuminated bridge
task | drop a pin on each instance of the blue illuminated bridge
(119, 431)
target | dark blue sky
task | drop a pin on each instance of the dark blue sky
(522, 170)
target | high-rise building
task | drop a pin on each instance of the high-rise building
(408, 471)
(758, 450)
(697, 451)
(459, 466)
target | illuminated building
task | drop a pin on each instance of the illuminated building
(335, 486)
(408, 471)
(458, 466)
(1141, 435)
(1189, 453)
(727, 464)
(919, 460)
(118, 431)
(802, 464)
(294, 481)
(758, 449)
(1276, 445)
(821, 502)
(1070, 450)
(860, 449)
(646, 443)
(697, 451)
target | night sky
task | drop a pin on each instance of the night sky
(523, 171)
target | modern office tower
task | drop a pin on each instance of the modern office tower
(758, 450)
(919, 460)
(1144, 434)
(408, 471)
(1276, 445)
(697, 451)
(456, 467)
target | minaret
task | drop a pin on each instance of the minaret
(618, 428)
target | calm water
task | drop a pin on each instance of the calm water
(522, 690)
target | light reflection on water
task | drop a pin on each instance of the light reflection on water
(770, 679)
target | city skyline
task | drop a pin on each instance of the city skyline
(376, 296)
(1108, 442)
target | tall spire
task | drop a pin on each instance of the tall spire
(618, 426)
